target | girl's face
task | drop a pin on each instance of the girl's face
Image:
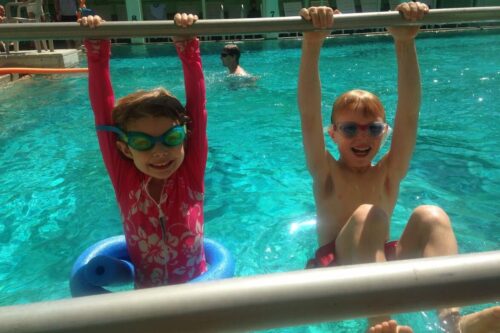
(358, 138)
(160, 161)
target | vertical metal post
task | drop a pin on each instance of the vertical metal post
(134, 13)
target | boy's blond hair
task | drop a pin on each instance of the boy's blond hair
(358, 100)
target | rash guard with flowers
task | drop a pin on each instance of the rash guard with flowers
(165, 238)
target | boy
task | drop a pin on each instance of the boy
(355, 199)
(230, 57)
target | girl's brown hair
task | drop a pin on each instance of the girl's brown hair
(358, 101)
(153, 103)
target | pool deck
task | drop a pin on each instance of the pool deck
(60, 58)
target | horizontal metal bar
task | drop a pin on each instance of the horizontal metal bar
(31, 31)
(282, 299)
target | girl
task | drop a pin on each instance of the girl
(155, 151)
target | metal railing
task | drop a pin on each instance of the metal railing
(32, 31)
(282, 299)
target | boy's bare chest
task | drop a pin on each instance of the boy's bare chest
(360, 189)
(349, 191)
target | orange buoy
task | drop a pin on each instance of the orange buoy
(34, 70)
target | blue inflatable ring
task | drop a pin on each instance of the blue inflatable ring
(107, 263)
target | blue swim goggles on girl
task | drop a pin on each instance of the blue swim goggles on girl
(142, 141)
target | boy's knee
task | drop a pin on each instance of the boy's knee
(431, 216)
(370, 215)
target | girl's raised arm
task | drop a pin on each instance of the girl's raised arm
(188, 49)
(101, 94)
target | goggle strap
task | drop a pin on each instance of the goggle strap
(113, 129)
(389, 130)
(386, 135)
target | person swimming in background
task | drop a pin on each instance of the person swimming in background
(230, 57)
(238, 77)
(155, 151)
(354, 198)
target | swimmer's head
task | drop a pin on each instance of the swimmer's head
(358, 101)
(153, 103)
(231, 50)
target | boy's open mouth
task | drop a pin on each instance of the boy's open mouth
(361, 152)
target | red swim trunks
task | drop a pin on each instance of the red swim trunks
(325, 255)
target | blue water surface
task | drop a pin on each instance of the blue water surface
(56, 199)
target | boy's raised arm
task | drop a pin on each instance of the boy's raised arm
(309, 92)
(409, 90)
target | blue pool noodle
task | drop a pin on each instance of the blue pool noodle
(220, 262)
(105, 270)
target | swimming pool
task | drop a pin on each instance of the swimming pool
(56, 199)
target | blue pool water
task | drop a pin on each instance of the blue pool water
(56, 200)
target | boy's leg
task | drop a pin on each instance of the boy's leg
(429, 234)
(363, 237)
(362, 240)
(485, 321)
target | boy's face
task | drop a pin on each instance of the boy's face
(227, 59)
(161, 161)
(358, 137)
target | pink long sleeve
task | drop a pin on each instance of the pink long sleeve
(197, 147)
(102, 100)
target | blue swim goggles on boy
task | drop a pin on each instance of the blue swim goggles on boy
(350, 129)
(143, 142)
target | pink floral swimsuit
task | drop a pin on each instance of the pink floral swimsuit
(164, 239)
